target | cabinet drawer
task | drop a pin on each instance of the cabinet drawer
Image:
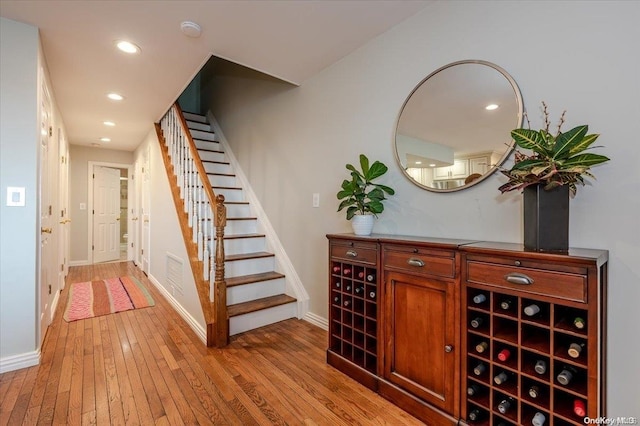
(355, 252)
(421, 261)
(529, 280)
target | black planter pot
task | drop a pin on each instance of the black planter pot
(546, 218)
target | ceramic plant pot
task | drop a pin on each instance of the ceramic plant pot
(362, 224)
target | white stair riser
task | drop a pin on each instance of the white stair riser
(212, 156)
(193, 125)
(199, 134)
(238, 210)
(243, 245)
(235, 227)
(222, 180)
(194, 117)
(246, 322)
(247, 292)
(230, 194)
(218, 168)
(249, 266)
(210, 145)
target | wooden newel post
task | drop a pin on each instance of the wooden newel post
(220, 298)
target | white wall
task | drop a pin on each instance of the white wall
(166, 238)
(19, 234)
(579, 56)
(80, 156)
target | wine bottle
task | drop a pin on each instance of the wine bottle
(474, 415)
(481, 347)
(504, 354)
(566, 375)
(360, 290)
(337, 284)
(372, 294)
(531, 310)
(579, 408)
(476, 322)
(348, 287)
(506, 304)
(336, 300)
(346, 272)
(578, 322)
(541, 366)
(371, 277)
(479, 369)
(575, 349)
(534, 391)
(479, 298)
(505, 405)
(336, 269)
(501, 378)
(473, 390)
(361, 275)
(346, 303)
(538, 419)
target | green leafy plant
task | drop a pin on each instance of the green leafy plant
(556, 160)
(360, 195)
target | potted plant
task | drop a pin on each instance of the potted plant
(361, 197)
(548, 177)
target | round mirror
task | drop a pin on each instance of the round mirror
(454, 129)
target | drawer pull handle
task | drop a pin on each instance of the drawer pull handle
(352, 253)
(415, 262)
(448, 348)
(517, 278)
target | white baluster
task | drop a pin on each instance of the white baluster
(205, 253)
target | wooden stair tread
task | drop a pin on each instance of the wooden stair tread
(227, 187)
(245, 256)
(220, 174)
(216, 162)
(259, 304)
(237, 236)
(253, 278)
(210, 150)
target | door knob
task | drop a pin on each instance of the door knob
(46, 230)
(118, 219)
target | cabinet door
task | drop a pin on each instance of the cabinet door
(442, 172)
(478, 165)
(460, 169)
(419, 334)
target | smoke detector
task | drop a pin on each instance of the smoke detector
(190, 29)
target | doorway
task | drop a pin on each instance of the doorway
(109, 224)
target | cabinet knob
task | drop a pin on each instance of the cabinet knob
(448, 348)
(352, 253)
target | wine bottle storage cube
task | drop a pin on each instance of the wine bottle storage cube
(353, 300)
(527, 359)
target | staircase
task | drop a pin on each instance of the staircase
(255, 292)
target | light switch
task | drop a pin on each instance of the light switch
(15, 196)
(316, 199)
(83, 206)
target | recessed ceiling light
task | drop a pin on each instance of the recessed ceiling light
(418, 162)
(190, 29)
(127, 46)
(432, 165)
(109, 123)
(115, 97)
(491, 107)
(105, 140)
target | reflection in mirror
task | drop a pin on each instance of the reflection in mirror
(454, 129)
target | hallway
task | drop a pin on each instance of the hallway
(146, 366)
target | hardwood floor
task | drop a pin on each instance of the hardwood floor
(146, 366)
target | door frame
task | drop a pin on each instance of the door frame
(130, 195)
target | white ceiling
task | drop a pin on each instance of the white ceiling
(291, 40)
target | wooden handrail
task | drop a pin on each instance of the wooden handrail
(215, 313)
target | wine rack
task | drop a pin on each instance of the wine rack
(353, 310)
(527, 353)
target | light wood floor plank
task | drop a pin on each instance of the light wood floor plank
(146, 366)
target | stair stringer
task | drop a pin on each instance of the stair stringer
(293, 284)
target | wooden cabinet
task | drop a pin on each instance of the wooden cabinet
(478, 333)
(530, 318)
(420, 334)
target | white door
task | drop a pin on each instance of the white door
(144, 216)
(106, 214)
(47, 276)
(63, 205)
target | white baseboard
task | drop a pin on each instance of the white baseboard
(316, 320)
(78, 262)
(293, 282)
(16, 362)
(195, 326)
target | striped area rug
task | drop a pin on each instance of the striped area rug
(95, 298)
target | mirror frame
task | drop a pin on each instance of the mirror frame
(508, 151)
